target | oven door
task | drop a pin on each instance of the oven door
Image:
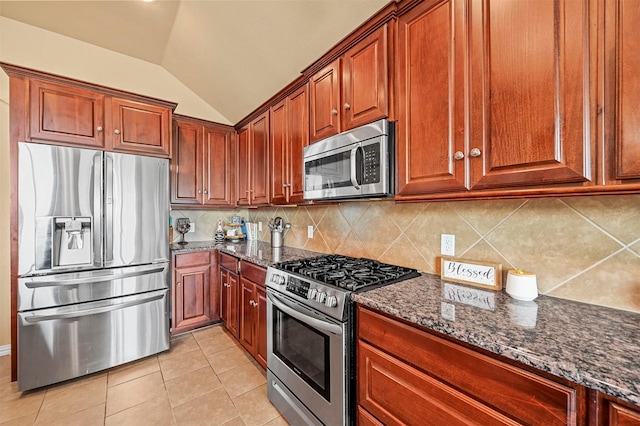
(306, 351)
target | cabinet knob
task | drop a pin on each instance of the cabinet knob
(347, 106)
(475, 152)
(334, 111)
(206, 192)
(458, 155)
(199, 191)
(99, 128)
(116, 131)
(179, 284)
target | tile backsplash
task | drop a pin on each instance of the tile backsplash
(581, 248)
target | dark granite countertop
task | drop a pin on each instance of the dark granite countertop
(258, 252)
(594, 346)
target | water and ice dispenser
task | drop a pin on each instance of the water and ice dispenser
(71, 241)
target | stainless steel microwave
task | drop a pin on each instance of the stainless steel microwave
(355, 164)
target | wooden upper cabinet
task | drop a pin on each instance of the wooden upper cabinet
(324, 106)
(66, 114)
(202, 163)
(278, 150)
(70, 112)
(260, 160)
(218, 172)
(365, 80)
(289, 136)
(186, 164)
(253, 162)
(352, 90)
(140, 128)
(431, 115)
(622, 89)
(531, 101)
(513, 108)
(243, 169)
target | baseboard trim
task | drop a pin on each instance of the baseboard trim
(5, 350)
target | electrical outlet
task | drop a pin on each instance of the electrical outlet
(259, 226)
(192, 227)
(447, 244)
(310, 231)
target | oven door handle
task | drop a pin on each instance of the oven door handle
(304, 317)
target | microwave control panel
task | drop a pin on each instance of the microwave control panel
(371, 163)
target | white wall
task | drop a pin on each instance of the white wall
(31, 47)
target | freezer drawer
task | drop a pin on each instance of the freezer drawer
(62, 343)
(48, 291)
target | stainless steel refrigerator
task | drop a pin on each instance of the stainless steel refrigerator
(93, 261)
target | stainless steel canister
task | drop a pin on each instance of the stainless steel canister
(276, 238)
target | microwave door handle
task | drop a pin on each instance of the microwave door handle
(304, 317)
(354, 164)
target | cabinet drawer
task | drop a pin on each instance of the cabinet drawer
(389, 383)
(229, 263)
(525, 396)
(192, 259)
(253, 273)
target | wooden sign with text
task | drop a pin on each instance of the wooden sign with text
(471, 272)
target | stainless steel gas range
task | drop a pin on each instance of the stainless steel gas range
(310, 334)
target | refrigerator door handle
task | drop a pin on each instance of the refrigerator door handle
(98, 249)
(108, 210)
(53, 281)
(34, 319)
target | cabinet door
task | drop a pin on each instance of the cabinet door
(186, 164)
(218, 171)
(431, 121)
(140, 128)
(243, 152)
(610, 411)
(224, 296)
(298, 136)
(247, 315)
(324, 106)
(365, 81)
(622, 88)
(233, 325)
(261, 326)
(260, 160)
(191, 292)
(66, 114)
(531, 106)
(278, 150)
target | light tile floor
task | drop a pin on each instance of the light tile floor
(206, 378)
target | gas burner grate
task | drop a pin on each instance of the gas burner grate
(348, 272)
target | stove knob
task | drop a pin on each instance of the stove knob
(331, 301)
(277, 279)
(312, 293)
(321, 296)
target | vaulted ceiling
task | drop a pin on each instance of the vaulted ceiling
(234, 54)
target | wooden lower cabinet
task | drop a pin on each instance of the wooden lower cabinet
(229, 292)
(194, 290)
(609, 411)
(447, 383)
(253, 311)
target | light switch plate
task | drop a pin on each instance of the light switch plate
(192, 227)
(310, 231)
(260, 226)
